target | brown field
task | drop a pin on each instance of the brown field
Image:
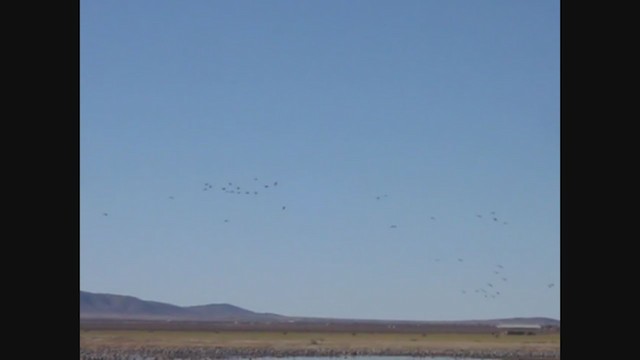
(296, 339)
(303, 340)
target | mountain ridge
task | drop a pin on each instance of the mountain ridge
(112, 306)
(124, 307)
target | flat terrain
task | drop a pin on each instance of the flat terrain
(303, 340)
(219, 340)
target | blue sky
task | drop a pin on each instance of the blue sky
(445, 109)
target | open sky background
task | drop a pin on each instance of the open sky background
(445, 109)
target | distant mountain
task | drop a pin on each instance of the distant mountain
(231, 312)
(109, 306)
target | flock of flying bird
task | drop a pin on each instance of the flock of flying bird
(490, 290)
(231, 188)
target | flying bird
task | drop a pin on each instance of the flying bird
(105, 214)
(550, 286)
(284, 207)
(393, 226)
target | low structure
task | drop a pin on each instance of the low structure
(519, 329)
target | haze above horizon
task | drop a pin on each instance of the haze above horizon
(347, 159)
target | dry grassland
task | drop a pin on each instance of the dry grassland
(128, 339)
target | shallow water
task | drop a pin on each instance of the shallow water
(362, 357)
